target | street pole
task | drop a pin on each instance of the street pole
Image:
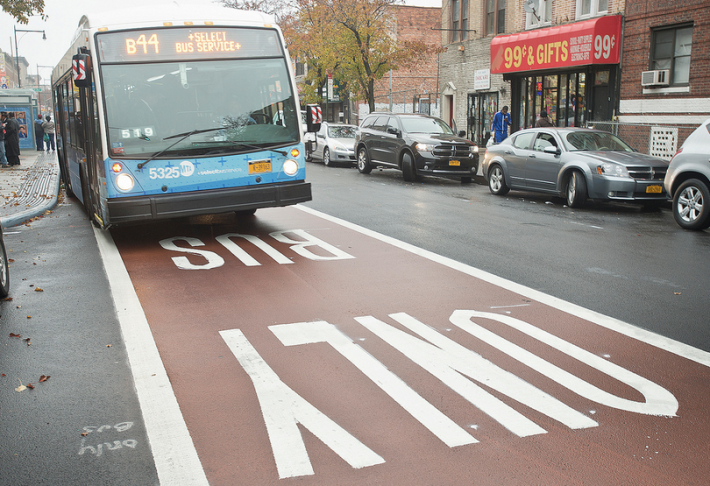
(17, 55)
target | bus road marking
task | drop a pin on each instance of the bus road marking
(454, 365)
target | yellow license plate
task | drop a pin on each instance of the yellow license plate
(455, 163)
(654, 189)
(259, 166)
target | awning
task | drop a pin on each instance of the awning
(595, 41)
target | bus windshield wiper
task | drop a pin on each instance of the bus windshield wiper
(247, 145)
(182, 136)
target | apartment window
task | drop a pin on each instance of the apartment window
(459, 20)
(671, 50)
(495, 17)
(541, 16)
(591, 8)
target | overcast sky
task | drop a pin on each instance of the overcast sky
(60, 26)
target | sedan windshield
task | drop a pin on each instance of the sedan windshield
(225, 106)
(594, 141)
(425, 125)
(342, 132)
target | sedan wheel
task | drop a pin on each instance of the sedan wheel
(576, 190)
(326, 157)
(363, 161)
(690, 205)
(496, 181)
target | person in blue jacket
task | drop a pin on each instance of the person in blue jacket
(501, 120)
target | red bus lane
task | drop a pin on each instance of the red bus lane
(304, 350)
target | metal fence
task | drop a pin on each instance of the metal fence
(654, 139)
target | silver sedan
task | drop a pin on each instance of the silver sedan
(335, 144)
(575, 163)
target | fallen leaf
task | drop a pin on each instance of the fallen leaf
(676, 293)
(29, 317)
(84, 434)
(43, 378)
(12, 334)
(38, 289)
(30, 386)
(109, 345)
(28, 341)
(21, 387)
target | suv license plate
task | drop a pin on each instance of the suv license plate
(259, 166)
(655, 189)
(455, 163)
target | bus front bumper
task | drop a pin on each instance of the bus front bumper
(212, 201)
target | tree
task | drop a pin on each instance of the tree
(22, 10)
(354, 40)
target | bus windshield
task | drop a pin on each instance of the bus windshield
(236, 105)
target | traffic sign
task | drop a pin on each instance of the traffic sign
(37, 89)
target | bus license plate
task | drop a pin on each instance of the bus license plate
(455, 163)
(655, 189)
(259, 166)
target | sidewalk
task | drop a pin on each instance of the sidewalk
(30, 189)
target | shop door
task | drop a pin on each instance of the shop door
(481, 109)
(602, 97)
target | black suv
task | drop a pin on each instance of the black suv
(416, 145)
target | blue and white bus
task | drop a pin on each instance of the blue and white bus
(169, 111)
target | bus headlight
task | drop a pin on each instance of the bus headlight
(290, 167)
(124, 182)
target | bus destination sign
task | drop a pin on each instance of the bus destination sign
(187, 44)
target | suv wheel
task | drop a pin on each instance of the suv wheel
(691, 205)
(409, 172)
(363, 161)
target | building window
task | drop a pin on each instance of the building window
(495, 17)
(541, 16)
(671, 50)
(459, 20)
(591, 8)
(300, 69)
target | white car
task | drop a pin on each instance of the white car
(335, 144)
(688, 180)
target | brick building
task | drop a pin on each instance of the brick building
(665, 77)
(412, 90)
(561, 56)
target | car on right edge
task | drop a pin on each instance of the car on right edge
(688, 180)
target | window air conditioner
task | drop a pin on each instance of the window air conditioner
(659, 77)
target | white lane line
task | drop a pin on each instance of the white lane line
(176, 459)
(648, 337)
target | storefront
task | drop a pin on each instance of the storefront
(571, 71)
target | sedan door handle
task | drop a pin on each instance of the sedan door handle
(532, 156)
(508, 152)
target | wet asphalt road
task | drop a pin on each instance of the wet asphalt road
(614, 258)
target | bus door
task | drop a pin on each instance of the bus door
(91, 167)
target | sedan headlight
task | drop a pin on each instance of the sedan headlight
(423, 147)
(473, 149)
(615, 170)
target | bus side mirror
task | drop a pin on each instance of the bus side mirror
(81, 70)
(314, 117)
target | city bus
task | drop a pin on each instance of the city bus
(170, 111)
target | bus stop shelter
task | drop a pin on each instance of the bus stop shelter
(23, 102)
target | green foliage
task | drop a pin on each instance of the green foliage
(22, 10)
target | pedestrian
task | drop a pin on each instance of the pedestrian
(543, 121)
(12, 140)
(48, 127)
(501, 120)
(3, 158)
(39, 133)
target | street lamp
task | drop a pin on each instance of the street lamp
(17, 56)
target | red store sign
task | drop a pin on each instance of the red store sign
(595, 41)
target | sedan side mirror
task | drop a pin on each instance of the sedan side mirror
(551, 149)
